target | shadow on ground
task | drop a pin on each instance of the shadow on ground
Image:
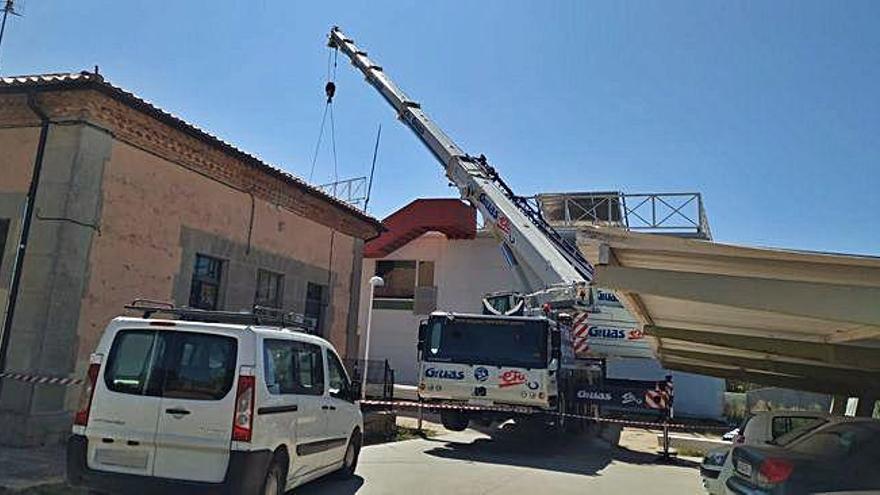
(330, 485)
(543, 448)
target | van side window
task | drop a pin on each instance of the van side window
(336, 378)
(131, 359)
(293, 367)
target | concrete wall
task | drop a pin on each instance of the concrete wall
(782, 399)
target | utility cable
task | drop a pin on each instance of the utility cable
(333, 141)
(318, 144)
(330, 91)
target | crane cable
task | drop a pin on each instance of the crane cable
(330, 91)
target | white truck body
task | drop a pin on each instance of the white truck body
(503, 385)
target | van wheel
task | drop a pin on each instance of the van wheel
(352, 453)
(273, 484)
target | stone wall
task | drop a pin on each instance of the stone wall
(17, 148)
(43, 335)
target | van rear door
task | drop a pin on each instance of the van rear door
(122, 424)
(194, 432)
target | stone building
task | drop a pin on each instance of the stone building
(126, 201)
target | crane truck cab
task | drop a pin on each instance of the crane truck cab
(524, 364)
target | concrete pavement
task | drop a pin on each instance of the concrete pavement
(509, 462)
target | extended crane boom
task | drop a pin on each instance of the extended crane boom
(551, 268)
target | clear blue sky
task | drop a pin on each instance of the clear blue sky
(770, 109)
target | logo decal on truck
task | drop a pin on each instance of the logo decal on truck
(615, 333)
(502, 223)
(591, 395)
(444, 374)
(481, 374)
(630, 398)
(606, 298)
(512, 377)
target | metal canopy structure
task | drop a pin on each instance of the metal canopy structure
(793, 319)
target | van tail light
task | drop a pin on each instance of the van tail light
(243, 420)
(773, 471)
(86, 394)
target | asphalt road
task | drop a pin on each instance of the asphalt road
(509, 462)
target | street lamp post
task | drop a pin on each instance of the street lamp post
(375, 281)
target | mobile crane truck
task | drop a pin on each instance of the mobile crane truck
(518, 357)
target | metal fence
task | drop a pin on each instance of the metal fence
(351, 191)
(680, 214)
(380, 377)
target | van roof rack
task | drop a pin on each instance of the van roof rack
(259, 315)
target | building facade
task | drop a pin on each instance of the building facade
(126, 201)
(432, 256)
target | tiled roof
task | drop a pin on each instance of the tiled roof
(91, 80)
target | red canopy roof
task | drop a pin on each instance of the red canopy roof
(452, 217)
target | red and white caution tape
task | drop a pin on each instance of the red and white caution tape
(525, 410)
(41, 380)
(440, 405)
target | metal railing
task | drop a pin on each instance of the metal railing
(380, 377)
(682, 214)
(351, 191)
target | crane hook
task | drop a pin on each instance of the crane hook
(330, 89)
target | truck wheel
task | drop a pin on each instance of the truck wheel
(454, 420)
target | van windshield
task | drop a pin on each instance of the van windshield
(182, 365)
(501, 342)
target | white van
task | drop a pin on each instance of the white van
(181, 406)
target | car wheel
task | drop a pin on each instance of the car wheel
(352, 453)
(274, 482)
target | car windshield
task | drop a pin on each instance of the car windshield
(503, 342)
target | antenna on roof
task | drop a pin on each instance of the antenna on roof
(8, 8)
(373, 168)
